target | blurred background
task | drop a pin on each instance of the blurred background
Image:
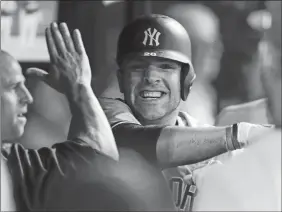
(225, 37)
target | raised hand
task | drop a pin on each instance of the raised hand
(70, 74)
(69, 61)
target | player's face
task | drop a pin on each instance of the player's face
(14, 100)
(151, 86)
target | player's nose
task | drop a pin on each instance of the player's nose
(151, 76)
(26, 96)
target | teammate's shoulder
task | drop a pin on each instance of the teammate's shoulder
(243, 112)
(245, 106)
(269, 142)
(117, 111)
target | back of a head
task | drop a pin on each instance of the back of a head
(203, 27)
(129, 185)
(200, 22)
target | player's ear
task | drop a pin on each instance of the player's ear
(120, 80)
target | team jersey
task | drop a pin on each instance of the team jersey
(72, 176)
(40, 176)
(253, 112)
(250, 181)
(7, 199)
(118, 112)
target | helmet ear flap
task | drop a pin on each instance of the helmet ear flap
(186, 81)
(120, 80)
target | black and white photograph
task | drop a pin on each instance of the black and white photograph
(131, 105)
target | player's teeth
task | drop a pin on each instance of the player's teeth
(152, 94)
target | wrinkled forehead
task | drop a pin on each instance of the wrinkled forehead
(10, 70)
(156, 61)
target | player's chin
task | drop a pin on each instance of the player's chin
(18, 131)
(153, 114)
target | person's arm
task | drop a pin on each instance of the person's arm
(36, 173)
(166, 146)
(173, 146)
(89, 122)
(70, 74)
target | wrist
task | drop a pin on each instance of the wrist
(232, 142)
(78, 94)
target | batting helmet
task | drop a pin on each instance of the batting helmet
(158, 36)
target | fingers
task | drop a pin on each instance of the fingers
(52, 50)
(78, 42)
(58, 39)
(67, 37)
(36, 72)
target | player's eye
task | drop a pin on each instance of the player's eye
(137, 68)
(16, 86)
(167, 66)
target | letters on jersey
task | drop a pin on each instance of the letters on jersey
(183, 194)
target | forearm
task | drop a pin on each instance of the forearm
(89, 122)
(183, 146)
(173, 146)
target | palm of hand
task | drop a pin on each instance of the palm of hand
(69, 69)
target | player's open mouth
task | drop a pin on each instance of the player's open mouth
(22, 115)
(151, 94)
(22, 118)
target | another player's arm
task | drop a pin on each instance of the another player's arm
(167, 146)
(71, 74)
(33, 169)
(173, 146)
(89, 122)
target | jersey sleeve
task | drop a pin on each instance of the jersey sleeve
(7, 200)
(35, 173)
(117, 112)
(71, 176)
(253, 112)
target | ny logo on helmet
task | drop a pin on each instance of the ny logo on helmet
(152, 36)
